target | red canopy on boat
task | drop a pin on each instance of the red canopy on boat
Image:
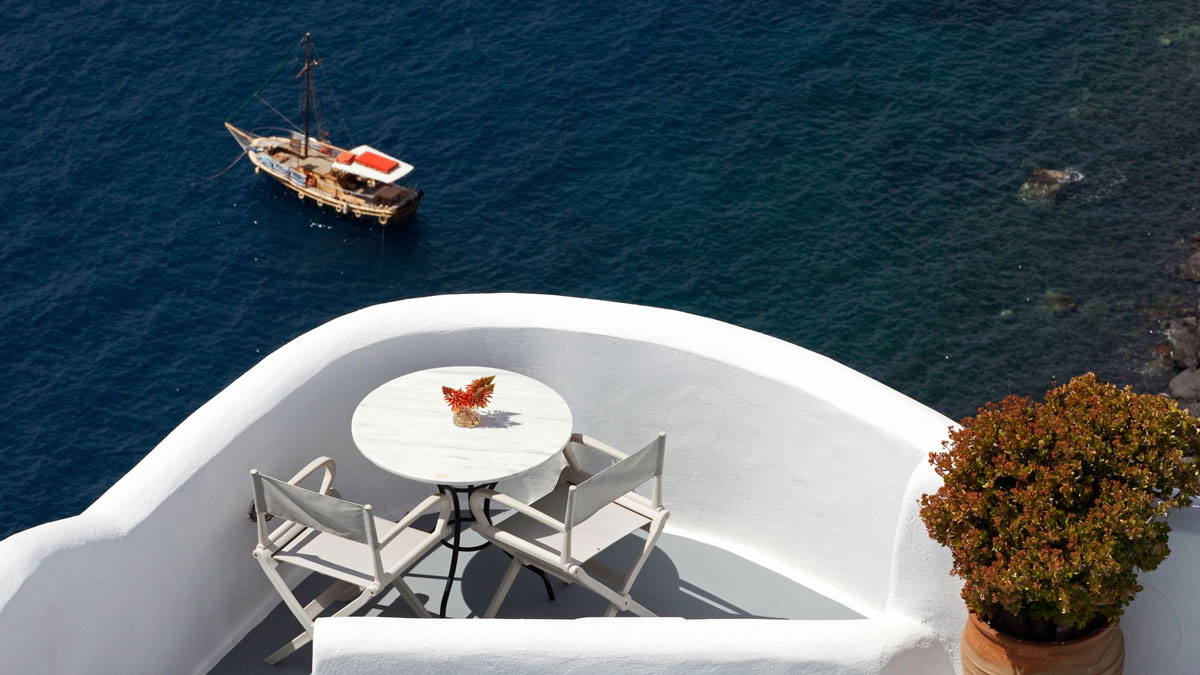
(374, 161)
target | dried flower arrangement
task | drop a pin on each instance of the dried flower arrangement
(464, 402)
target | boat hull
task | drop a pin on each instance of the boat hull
(264, 152)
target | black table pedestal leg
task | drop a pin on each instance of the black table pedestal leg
(453, 549)
(546, 581)
(456, 544)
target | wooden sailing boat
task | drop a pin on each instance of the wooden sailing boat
(361, 180)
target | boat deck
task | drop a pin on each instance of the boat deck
(682, 577)
(317, 163)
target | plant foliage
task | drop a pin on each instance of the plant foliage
(1051, 509)
(476, 395)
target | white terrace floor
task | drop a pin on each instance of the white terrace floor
(681, 578)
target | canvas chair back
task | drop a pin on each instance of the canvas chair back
(315, 510)
(585, 499)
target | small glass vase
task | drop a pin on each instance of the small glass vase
(466, 417)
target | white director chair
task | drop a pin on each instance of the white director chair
(583, 515)
(323, 533)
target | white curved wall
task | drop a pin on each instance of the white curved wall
(774, 452)
(630, 646)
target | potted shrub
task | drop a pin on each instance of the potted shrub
(1050, 511)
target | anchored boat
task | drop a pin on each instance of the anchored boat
(361, 181)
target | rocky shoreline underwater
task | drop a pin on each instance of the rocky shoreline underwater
(1181, 351)
(1177, 358)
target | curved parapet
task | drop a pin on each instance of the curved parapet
(776, 453)
(891, 645)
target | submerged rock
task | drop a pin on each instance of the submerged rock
(1185, 387)
(1184, 341)
(1190, 269)
(1180, 355)
(1058, 303)
(1183, 34)
(1168, 306)
(1044, 185)
(1161, 357)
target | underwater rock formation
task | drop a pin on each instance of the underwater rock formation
(1185, 387)
(1183, 34)
(1058, 303)
(1044, 185)
(1183, 351)
(1184, 341)
(1190, 269)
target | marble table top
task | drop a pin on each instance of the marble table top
(405, 427)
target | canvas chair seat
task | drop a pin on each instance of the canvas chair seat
(347, 560)
(582, 516)
(609, 525)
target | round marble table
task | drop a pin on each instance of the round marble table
(405, 427)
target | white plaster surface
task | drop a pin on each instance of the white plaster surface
(777, 454)
(632, 646)
(404, 426)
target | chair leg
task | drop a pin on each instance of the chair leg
(634, 607)
(298, 611)
(307, 636)
(299, 641)
(617, 600)
(354, 605)
(337, 591)
(625, 584)
(638, 609)
(410, 598)
(653, 533)
(506, 583)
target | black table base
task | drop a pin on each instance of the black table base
(455, 545)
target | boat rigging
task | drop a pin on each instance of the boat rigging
(361, 180)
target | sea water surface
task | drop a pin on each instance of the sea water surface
(841, 175)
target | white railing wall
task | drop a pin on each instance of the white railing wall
(774, 452)
(630, 646)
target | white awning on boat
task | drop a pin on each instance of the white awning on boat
(358, 168)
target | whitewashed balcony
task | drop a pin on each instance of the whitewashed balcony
(794, 542)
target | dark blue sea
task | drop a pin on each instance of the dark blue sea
(841, 175)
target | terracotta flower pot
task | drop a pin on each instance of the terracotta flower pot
(988, 652)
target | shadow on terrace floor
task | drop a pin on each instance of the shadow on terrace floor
(681, 578)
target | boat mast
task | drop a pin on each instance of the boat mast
(307, 87)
